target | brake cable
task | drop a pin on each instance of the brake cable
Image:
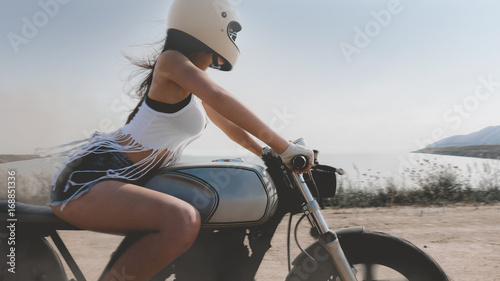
(297, 239)
(298, 245)
(288, 241)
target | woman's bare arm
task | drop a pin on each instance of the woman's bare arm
(234, 132)
(175, 67)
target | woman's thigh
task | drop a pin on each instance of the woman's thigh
(114, 206)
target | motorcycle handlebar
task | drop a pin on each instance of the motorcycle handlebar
(299, 162)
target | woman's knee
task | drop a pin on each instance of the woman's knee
(181, 223)
(189, 223)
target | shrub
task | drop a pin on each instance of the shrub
(441, 184)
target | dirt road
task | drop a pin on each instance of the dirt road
(464, 240)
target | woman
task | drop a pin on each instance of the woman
(99, 187)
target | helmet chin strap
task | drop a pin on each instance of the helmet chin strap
(215, 61)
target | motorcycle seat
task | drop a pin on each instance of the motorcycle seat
(26, 215)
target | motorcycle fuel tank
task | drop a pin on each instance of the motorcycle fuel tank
(227, 194)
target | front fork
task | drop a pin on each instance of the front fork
(328, 239)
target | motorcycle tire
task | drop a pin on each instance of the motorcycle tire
(373, 256)
(34, 259)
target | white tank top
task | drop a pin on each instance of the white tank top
(172, 131)
(163, 135)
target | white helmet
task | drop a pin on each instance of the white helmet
(213, 22)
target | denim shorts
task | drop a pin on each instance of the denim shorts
(94, 167)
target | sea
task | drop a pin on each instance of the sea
(399, 169)
(362, 171)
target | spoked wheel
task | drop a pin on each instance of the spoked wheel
(375, 256)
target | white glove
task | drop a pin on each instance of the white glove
(295, 149)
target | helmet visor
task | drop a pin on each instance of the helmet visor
(232, 30)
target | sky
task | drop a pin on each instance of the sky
(348, 76)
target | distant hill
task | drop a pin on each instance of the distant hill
(478, 151)
(6, 158)
(487, 136)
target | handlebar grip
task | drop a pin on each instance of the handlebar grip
(339, 171)
(299, 162)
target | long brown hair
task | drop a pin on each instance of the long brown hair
(175, 40)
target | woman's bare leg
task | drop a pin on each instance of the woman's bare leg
(113, 206)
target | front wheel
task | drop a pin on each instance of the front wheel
(375, 256)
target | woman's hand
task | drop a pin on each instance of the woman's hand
(295, 150)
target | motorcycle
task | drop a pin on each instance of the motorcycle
(237, 202)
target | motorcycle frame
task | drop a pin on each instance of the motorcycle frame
(263, 233)
(327, 238)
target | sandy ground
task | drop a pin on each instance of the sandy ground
(464, 240)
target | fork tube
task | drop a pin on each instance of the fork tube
(311, 208)
(331, 244)
(328, 239)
